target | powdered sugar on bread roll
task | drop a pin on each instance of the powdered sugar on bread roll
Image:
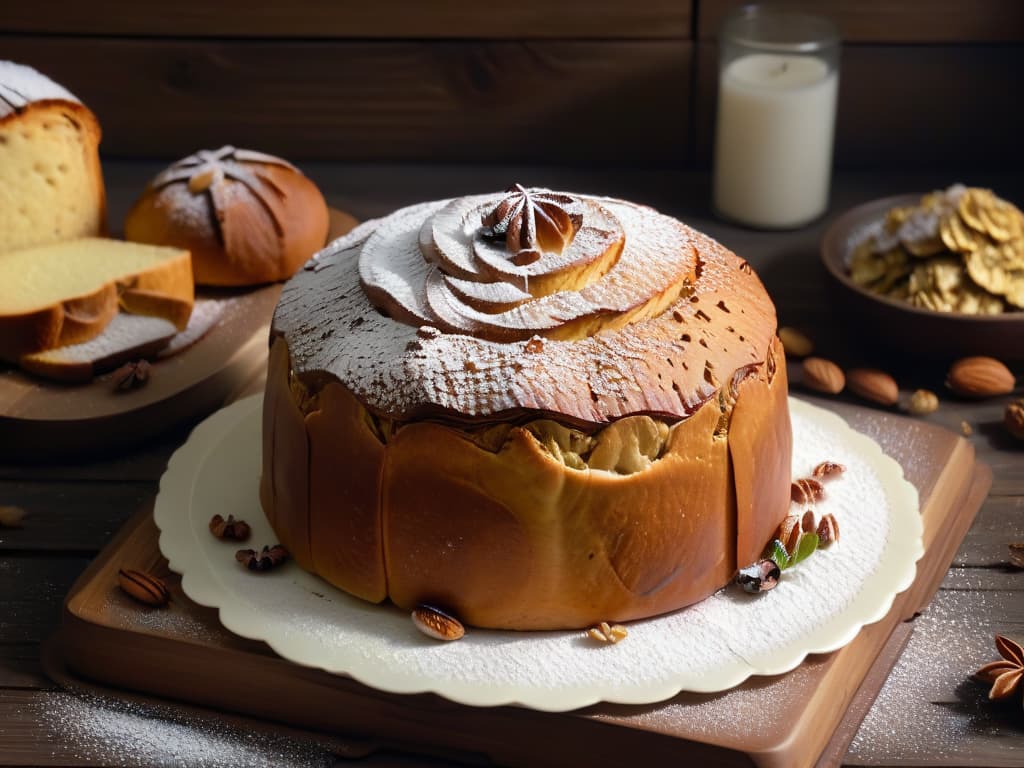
(246, 217)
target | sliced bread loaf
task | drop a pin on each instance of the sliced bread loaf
(127, 337)
(67, 293)
(51, 186)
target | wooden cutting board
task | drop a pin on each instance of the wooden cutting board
(802, 718)
(42, 420)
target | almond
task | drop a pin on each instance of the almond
(823, 375)
(874, 385)
(980, 377)
(794, 342)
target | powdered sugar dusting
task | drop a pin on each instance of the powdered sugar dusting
(112, 731)
(818, 606)
(329, 316)
(205, 314)
(21, 85)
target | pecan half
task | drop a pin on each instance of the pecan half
(143, 587)
(437, 624)
(806, 490)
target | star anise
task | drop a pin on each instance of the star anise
(1005, 675)
(534, 221)
(132, 375)
(264, 560)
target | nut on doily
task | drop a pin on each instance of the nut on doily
(607, 633)
(435, 623)
(143, 587)
(264, 560)
(828, 530)
(827, 470)
(762, 576)
(806, 490)
(235, 530)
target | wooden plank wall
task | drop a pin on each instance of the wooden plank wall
(613, 82)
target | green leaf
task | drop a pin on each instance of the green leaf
(805, 547)
(776, 551)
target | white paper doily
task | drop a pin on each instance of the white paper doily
(818, 607)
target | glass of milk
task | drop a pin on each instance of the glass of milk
(778, 78)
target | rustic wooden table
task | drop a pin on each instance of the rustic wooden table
(928, 713)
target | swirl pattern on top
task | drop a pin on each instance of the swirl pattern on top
(460, 279)
(426, 314)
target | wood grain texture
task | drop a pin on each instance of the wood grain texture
(392, 19)
(569, 102)
(928, 715)
(31, 592)
(897, 102)
(69, 516)
(896, 21)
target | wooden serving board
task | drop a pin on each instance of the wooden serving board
(42, 420)
(801, 718)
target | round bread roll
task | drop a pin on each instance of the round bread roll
(530, 409)
(246, 217)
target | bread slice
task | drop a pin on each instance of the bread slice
(127, 337)
(51, 185)
(66, 293)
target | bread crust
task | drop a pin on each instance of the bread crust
(238, 234)
(162, 290)
(515, 539)
(503, 468)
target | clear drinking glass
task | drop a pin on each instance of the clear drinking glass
(777, 86)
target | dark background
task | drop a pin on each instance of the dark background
(575, 82)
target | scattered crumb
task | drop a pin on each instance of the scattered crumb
(11, 517)
(966, 429)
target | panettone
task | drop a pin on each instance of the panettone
(51, 185)
(531, 409)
